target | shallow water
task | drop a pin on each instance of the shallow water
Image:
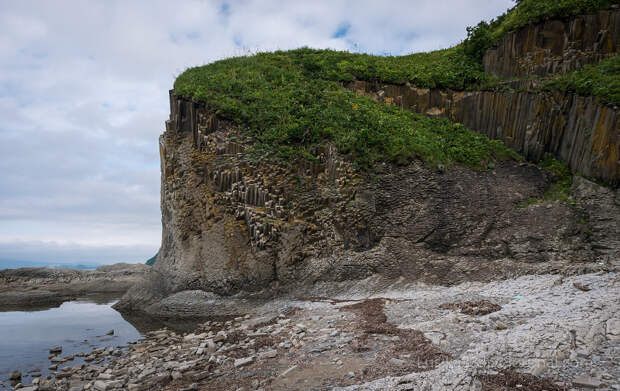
(77, 326)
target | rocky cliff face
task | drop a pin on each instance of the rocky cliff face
(556, 46)
(237, 224)
(575, 129)
(234, 224)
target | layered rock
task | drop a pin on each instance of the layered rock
(234, 223)
(577, 130)
(556, 46)
(43, 287)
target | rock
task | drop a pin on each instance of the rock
(612, 329)
(268, 354)
(397, 361)
(283, 374)
(56, 350)
(244, 361)
(499, 325)
(221, 336)
(538, 367)
(15, 375)
(582, 287)
(101, 385)
(285, 345)
(54, 286)
(211, 346)
(111, 332)
(252, 323)
(587, 381)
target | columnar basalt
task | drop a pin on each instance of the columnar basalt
(556, 46)
(577, 130)
(238, 221)
(235, 222)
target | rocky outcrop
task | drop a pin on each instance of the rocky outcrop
(577, 130)
(237, 224)
(556, 46)
(234, 223)
(541, 331)
(28, 287)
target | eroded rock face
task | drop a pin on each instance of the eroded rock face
(577, 130)
(233, 224)
(43, 287)
(556, 46)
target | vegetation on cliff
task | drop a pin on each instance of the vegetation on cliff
(485, 34)
(293, 101)
(601, 80)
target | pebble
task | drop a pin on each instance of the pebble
(164, 355)
(56, 350)
(244, 361)
(587, 381)
(283, 374)
(269, 354)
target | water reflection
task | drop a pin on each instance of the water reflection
(77, 326)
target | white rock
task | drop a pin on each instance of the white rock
(268, 354)
(244, 361)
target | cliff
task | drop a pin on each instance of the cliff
(232, 226)
(556, 45)
(258, 198)
(578, 130)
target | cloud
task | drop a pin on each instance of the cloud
(84, 95)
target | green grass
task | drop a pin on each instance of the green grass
(291, 102)
(448, 68)
(294, 101)
(559, 190)
(534, 11)
(601, 80)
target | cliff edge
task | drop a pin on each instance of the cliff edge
(285, 170)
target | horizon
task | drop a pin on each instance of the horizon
(84, 100)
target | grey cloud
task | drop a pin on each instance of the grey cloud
(83, 98)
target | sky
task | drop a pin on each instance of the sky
(84, 96)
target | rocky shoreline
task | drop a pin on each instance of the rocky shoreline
(527, 333)
(31, 288)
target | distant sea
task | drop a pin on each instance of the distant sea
(4, 264)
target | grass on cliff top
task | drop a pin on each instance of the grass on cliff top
(486, 34)
(601, 80)
(534, 11)
(293, 101)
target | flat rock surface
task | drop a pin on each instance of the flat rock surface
(41, 287)
(401, 336)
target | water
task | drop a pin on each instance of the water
(77, 326)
